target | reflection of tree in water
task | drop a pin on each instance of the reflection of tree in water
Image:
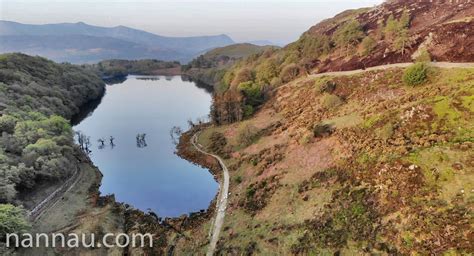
(111, 139)
(101, 143)
(83, 141)
(114, 79)
(175, 133)
(85, 144)
(154, 78)
(199, 84)
(141, 142)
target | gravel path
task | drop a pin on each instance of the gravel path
(221, 206)
(389, 66)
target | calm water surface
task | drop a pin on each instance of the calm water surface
(150, 177)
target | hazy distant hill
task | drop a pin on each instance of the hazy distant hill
(237, 50)
(210, 67)
(80, 42)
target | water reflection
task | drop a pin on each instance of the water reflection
(130, 131)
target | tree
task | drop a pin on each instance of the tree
(7, 190)
(315, 46)
(252, 92)
(12, 220)
(405, 19)
(391, 27)
(367, 46)
(416, 74)
(398, 32)
(266, 72)
(349, 35)
(243, 75)
(330, 101)
(7, 124)
(402, 40)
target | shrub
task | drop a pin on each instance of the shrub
(247, 134)
(289, 72)
(367, 46)
(12, 220)
(416, 74)
(248, 111)
(323, 85)
(322, 130)
(238, 179)
(423, 56)
(330, 101)
(305, 138)
(385, 132)
(218, 143)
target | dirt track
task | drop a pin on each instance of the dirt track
(221, 206)
(388, 66)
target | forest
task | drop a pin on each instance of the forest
(37, 99)
(121, 68)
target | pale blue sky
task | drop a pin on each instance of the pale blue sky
(279, 21)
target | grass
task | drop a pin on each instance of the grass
(346, 121)
(468, 102)
(371, 121)
(454, 76)
(444, 109)
(436, 164)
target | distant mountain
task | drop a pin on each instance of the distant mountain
(237, 51)
(80, 42)
(262, 42)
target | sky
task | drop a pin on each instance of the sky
(279, 21)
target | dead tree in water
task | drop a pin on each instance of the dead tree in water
(87, 145)
(83, 141)
(101, 143)
(141, 142)
(111, 139)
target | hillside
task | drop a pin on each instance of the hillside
(394, 32)
(236, 51)
(37, 152)
(378, 162)
(210, 67)
(351, 165)
(83, 43)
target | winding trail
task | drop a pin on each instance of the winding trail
(396, 65)
(50, 201)
(221, 204)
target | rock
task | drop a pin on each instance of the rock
(305, 197)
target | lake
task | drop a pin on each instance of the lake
(146, 173)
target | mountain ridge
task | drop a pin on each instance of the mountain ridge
(159, 47)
